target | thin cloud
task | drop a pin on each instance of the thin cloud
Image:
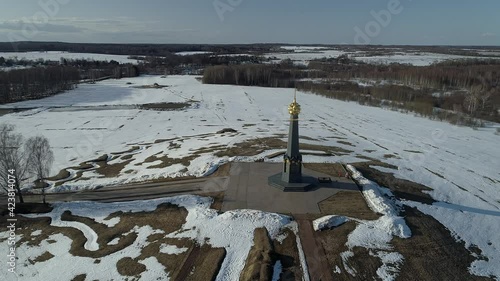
(45, 27)
(488, 34)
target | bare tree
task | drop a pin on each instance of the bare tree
(13, 159)
(40, 159)
(485, 96)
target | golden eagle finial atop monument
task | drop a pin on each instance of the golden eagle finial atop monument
(294, 107)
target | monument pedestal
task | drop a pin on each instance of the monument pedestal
(277, 182)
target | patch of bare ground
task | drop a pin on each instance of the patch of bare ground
(347, 203)
(43, 257)
(365, 157)
(257, 146)
(164, 106)
(222, 170)
(101, 158)
(173, 263)
(227, 130)
(260, 260)
(80, 277)
(362, 263)
(111, 170)
(126, 157)
(218, 200)
(346, 143)
(32, 208)
(332, 169)
(130, 150)
(130, 267)
(63, 174)
(167, 161)
(27, 226)
(196, 266)
(83, 166)
(413, 151)
(166, 217)
(287, 253)
(164, 140)
(401, 188)
(388, 156)
(431, 253)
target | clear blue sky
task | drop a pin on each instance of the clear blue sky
(427, 22)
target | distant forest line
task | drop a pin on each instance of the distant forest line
(457, 91)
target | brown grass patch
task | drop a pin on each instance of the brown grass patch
(432, 253)
(333, 242)
(164, 106)
(388, 156)
(347, 203)
(127, 157)
(332, 169)
(63, 174)
(167, 161)
(43, 257)
(218, 198)
(402, 189)
(413, 151)
(197, 268)
(259, 263)
(257, 146)
(111, 170)
(80, 277)
(346, 143)
(166, 217)
(102, 158)
(130, 267)
(222, 170)
(287, 253)
(30, 208)
(130, 150)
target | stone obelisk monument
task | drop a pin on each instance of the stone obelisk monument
(290, 178)
(292, 161)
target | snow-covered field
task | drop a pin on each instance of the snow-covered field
(57, 55)
(461, 165)
(302, 55)
(231, 230)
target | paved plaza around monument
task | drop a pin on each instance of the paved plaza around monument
(248, 189)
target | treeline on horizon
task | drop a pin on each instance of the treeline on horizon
(255, 49)
(35, 83)
(92, 71)
(132, 49)
(467, 89)
(41, 78)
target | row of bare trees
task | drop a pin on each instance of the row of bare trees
(37, 82)
(470, 87)
(265, 75)
(23, 160)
